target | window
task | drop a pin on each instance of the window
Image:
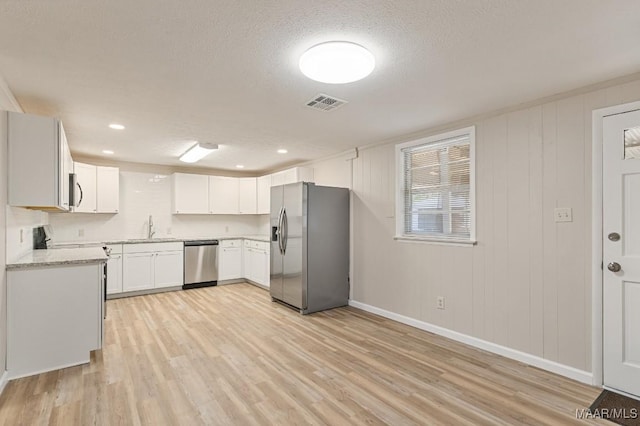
(436, 188)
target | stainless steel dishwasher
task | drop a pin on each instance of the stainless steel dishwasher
(200, 263)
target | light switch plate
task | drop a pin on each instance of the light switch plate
(563, 214)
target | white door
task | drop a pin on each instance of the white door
(114, 274)
(169, 269)
(190, 194)
(86, 185)
(108, 189)
(247, 195)
(621, 251)
(137, 271)
(223, 195)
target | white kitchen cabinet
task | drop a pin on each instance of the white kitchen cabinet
(39, 162)
(85, 188)
(114, 269)
(152, 265)
(293, 175)
(247, 195)
(54, 317)
(223, 195)
(137, 271)
(230, 260)
(168, 269)
(263, 194)
(190, 194)
(107, 189)
(256, 261)
(97, 189)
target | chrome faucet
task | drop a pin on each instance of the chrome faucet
(150, 231)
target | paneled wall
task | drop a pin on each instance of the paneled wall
(143, 194)
(526, 285)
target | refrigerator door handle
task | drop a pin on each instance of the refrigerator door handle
(285, 223)
(279, 231)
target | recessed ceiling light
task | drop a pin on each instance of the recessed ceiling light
(337, 62)
(116, 126)
(198, 152)
(107, 151)
(282, 151)
(239, 166)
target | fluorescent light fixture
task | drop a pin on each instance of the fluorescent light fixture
(116, 126)
(337, 62)
(107, 151)
(240, 166)
(282, 151)
(198, 152)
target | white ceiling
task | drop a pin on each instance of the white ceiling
(226, 71)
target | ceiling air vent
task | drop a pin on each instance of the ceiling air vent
(325, 102)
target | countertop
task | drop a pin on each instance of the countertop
(63, 244)
(60, 256)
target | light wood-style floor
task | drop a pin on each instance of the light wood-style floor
(228, 355)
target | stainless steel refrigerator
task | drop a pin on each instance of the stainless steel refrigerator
(309, 246)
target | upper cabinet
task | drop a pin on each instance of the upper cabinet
(223, 195)
(39, 162)
(263, 193)
(190, 194)
(200, 194)
(97, 189)
(247, 197)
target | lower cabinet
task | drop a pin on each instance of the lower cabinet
(152, 265)
(114, 269)
(230, 260)
(256, 261)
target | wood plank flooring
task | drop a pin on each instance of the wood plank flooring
(228, 355)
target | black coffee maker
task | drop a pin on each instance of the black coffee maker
(40, 237)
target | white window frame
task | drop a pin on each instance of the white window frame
(400, 186)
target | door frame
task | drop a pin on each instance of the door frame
(597, 276)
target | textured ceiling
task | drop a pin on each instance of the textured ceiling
(226, 71)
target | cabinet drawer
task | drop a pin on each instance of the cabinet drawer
(152, 247)
(115, 248)
(230, 243)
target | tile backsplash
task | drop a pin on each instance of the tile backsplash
(141, 195)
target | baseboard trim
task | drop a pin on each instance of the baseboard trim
(536, 361)
(4, 379)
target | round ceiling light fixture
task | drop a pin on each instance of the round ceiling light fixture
(282, 151)
(116, 126)
(337, 62)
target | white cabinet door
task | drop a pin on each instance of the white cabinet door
(264, 194)
(190, 194)
(169, 269)
(248, 198)
(108, 189)
(67, 167)
(293, 175)
(86, 187)
(260, 267)
(223, 195)
(137, 271)
(246, 264)
(230, 263)
(114, 274)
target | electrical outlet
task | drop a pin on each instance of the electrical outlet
(168, 231)
(563, 214)
(440, 302)
(22, 235)
(80, 232)
(226, 228)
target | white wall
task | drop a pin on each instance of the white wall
(526, 285)
(143, 194)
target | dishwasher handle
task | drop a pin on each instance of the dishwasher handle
(201, 243)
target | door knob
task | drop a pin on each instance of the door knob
(614, 236)
(614, 267)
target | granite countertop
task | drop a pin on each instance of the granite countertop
(60, 256)
(263, 238)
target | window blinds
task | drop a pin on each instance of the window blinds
(437, 189)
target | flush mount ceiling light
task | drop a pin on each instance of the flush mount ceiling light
(116, 126)
(198, 152)
(107, 151)
(337, 62)
(282, 151)
(239, 166)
